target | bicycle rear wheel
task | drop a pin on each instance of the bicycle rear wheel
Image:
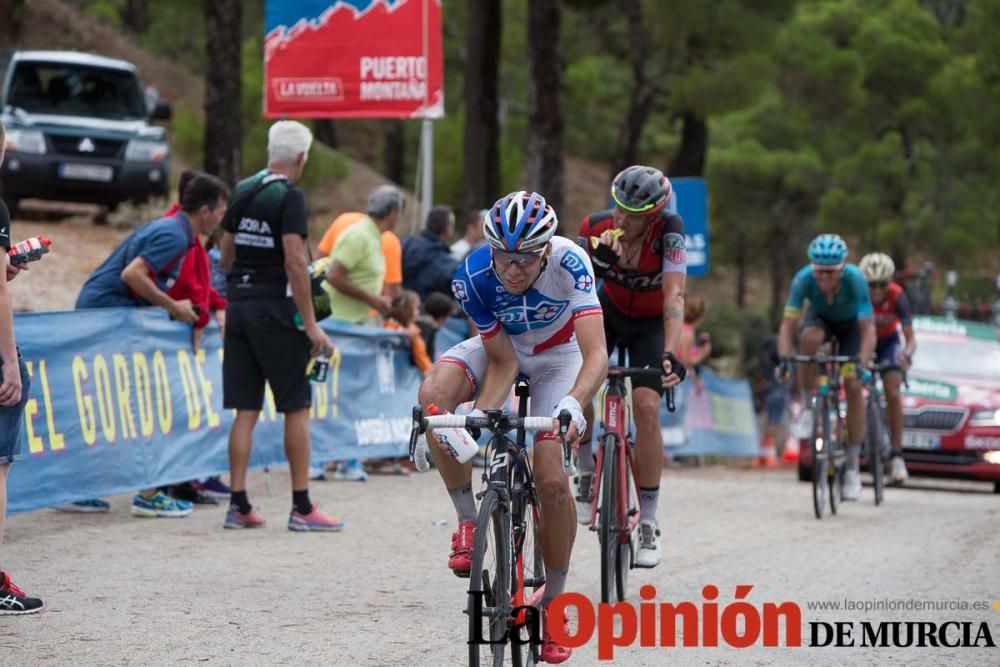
(489, 605)
(607, 506)
(874, 437)
(820, 447)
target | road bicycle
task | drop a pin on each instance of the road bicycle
(615, 503)
(829, 430)
(507, 567)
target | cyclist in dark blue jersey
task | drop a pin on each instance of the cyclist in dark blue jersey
(838, 306)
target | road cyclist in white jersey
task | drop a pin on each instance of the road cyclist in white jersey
(532, 296)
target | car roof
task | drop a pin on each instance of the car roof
(73, 58)
(942, 325)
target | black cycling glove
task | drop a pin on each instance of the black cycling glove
(677, 368)
(603, 258)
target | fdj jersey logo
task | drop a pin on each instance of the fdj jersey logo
(458, 289)
(583, 281)
(542, 313)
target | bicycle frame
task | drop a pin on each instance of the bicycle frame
(616, 422)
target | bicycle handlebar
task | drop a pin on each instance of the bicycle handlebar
(622, 371)
(496, 421)
(823, 359)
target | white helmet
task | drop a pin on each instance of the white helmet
(520, 222)
(878, 267)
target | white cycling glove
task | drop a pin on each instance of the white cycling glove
(575, 410)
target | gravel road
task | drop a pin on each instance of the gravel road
(121, 590)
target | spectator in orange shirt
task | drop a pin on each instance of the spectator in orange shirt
(392, 251)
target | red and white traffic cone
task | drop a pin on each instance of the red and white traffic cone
(767, 458)
(791, 453)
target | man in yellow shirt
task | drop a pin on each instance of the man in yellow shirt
(392, 251)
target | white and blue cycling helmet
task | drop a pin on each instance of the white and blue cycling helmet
(520, 222)
(828, 250)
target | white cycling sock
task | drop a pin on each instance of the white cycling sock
(585, 457)
(853, 457)
(648, 499)
(555, 584)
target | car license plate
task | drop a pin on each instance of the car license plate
(916, 440)
(86, 172)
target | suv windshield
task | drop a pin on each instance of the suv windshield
(955, 355)
(76, 90)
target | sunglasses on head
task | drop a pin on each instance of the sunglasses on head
(522, 260)
(879, 284)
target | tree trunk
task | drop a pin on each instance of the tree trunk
(690, 157)
(395, 151)
(481, 147)
(545, 160)
(325, 132)
(779, 271)
(136, 16)
(641, 95)
(13, 17)
(741, 270)
(223, 114)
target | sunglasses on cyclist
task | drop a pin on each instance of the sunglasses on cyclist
(881, 284)
(523, 260)
(827, 269)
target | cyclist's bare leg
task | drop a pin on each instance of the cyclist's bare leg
(894, 408)
(855, 421)
(557, 529)
(648, 437)
(446, 387)
(809, 343)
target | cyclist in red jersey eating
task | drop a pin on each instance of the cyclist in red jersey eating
(638, 251)
(892, 313)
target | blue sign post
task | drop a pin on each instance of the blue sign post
(690, 201)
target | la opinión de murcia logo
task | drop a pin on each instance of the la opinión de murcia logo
(738, 624)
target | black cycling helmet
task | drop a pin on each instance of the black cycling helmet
(642, 190)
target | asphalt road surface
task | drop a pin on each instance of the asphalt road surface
(121, 590)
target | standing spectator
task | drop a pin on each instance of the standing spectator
(775, 401)
(695, 347)
(14, 385)
(140, 272)
(427, 262)
(392, 251)
(357, 269)
(264, 247)
(473, 237)
(357, 266)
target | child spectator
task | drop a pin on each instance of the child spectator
(401, 317)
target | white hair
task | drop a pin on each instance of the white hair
(286, 140)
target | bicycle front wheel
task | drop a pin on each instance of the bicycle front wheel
(528, 577)
(489, 605)
(820, 447)
(607, 507)
(626, 553)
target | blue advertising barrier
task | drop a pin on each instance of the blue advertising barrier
(119, 402)
(691, 202)
(718, 420)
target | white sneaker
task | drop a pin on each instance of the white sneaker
(899, 473)
(852, 485)
(351, 471)
(584, 489)
(650, 550)
(317, 473)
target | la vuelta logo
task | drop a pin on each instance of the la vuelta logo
(738, 624)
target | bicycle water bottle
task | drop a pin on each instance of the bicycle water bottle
(29, 250)
(456, 441)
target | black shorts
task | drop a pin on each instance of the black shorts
(641, 336)
(263, 344)
(847, 332)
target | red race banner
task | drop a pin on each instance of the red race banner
(353, 59)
